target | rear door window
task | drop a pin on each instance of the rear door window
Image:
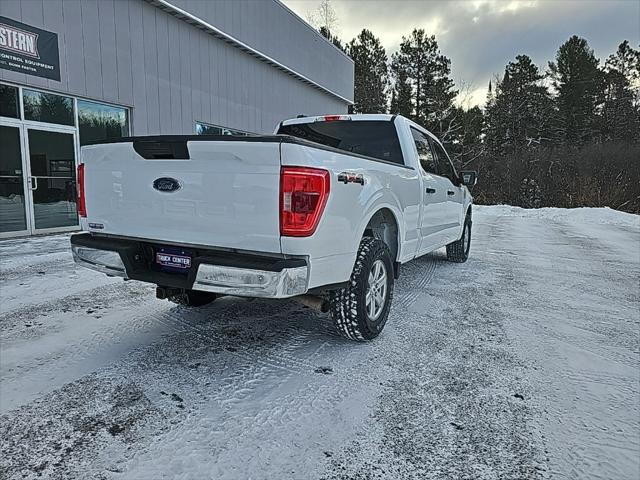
(372, 138)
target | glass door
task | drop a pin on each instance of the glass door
(14, 219)
(52, 179)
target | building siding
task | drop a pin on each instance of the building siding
(130, 52)
(273, 29)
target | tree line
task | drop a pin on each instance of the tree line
(567, 136)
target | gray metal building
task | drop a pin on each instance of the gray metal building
(73, 71)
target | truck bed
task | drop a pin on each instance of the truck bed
(224, 191)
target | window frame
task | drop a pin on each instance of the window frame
(18, 101)
(74, 109)
(433, 154)
(37, 124)
(127, 112)
(447, 160)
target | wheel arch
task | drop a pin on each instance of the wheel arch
(383, 224)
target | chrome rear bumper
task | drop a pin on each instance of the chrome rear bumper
(218, 272)
(104, 261)
(245, 282)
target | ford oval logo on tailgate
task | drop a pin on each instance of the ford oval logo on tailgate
(166, 184)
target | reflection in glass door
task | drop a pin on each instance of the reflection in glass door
(12, 199)
(52, 178)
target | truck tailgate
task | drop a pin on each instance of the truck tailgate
(225, 194)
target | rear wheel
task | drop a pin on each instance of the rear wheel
(360, 310)
(458, 251)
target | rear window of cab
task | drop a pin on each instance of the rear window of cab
(372, 138)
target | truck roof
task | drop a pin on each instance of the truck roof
(340, 116)
(380, 117)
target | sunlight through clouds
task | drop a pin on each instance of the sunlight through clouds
(496, 6)
(481, 36)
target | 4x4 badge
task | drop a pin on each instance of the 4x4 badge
(351, 177)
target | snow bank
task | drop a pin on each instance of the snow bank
(604, 215)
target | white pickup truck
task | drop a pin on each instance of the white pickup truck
(326, 211)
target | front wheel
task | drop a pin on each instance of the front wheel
(360, 310)
(458, 251)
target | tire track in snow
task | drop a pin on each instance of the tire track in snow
(35, 365)
(449, 411)
(288, 353)
(284, 360)
(409, 292)
(252, 372)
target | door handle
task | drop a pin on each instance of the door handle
(33, 183)
(430, 190)
(450, 192)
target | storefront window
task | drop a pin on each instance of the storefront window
(206, 129)
(8, 101)
(47, 107)
(49, 201)
(12, 201)
(97, 121)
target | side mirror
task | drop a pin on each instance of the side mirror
(468, 177)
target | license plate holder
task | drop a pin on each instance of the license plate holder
(173, 260)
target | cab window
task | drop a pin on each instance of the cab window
(371, 138)
(425, 154)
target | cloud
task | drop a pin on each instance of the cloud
(500, 6)
(481, 36)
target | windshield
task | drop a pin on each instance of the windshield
(373, 138)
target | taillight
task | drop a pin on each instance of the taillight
(303, 196)
(82, 205)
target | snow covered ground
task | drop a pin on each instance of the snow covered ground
(522, 363)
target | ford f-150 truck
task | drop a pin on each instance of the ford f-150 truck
(326, 210)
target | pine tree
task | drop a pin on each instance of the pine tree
(401, 95)
(620, 118)
(371, 74)
(626, 60)
(578, 81)
(519, 113)
(427, 72)
(326, 33)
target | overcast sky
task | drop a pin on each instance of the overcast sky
(481, 36)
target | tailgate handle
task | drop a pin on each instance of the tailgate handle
(162, 150)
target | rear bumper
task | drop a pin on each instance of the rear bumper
(230, 273)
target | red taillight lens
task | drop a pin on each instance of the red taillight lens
(303, 195)
(82, 206)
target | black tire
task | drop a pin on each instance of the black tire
(193, 298)
(348, 306)
(458, 251)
